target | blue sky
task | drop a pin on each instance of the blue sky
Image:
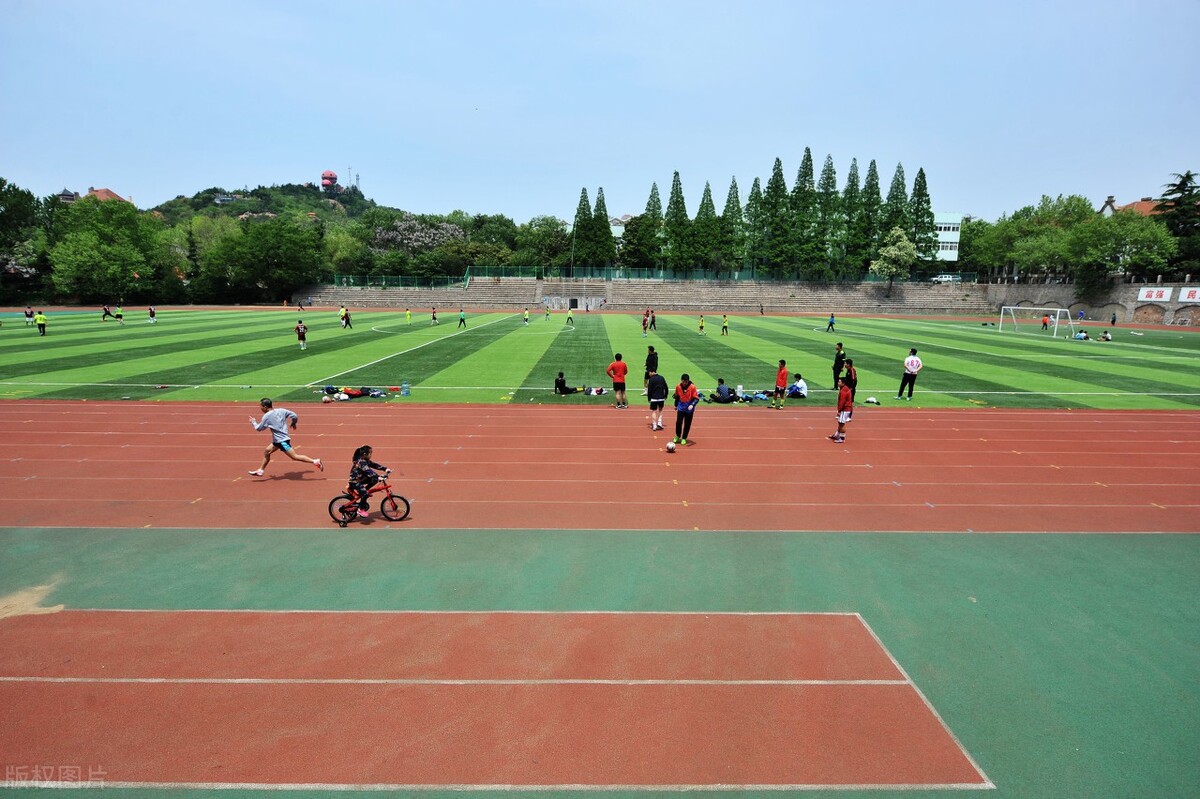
(513, 107)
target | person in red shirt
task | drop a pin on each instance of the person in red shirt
(617, 371)
(687, 396)
(302, 333)
(845, 409)
(781, 385)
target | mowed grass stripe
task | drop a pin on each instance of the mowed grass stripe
(568, 348)
(221, 351)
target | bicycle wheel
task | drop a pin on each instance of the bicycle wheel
(394, 508)
(342, 509)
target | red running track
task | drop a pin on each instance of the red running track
(470, 700)
(167, 465)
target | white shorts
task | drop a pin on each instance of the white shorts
(844, 416)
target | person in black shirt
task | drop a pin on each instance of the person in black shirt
(651, 366)
(657, 389)
(839, 361)
(851, 377)
(561, 387)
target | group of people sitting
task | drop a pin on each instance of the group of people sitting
(1082, 335)
(723, 393)
(726, 395)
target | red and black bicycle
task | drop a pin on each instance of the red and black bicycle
(343, 508)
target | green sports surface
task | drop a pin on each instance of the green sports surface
(236, 354)
(1066, 665)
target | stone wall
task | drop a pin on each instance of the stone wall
(1122, 300)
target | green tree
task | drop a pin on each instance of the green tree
(807, 238)
(922, 223)
(831, 222)
(639, 244)
(677, 230)
(895, 208)
(542, 241)
(867, 231)
(706, 234)
(755, 228)
(856, 248)
(107, 251)
(732, 229)
(1124, 243)
(896, 257)
(582, 250)
(778, 239)
(1179, 210)
(606, 245)
(268, 262)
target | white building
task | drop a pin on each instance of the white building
(948, 227)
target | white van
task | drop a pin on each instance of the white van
(946, 279)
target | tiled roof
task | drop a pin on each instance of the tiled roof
(1144, 206)
(105, 194)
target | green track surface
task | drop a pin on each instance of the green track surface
(1066, 664)
(232, 355)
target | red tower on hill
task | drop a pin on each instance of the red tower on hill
(329, 180)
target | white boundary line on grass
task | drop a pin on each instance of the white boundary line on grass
(325, 380)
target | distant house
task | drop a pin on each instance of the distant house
(1144, 206)
(66, 196)
(948, 227)
(223, 199)
(106, 194)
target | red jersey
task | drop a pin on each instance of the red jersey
(686, 396)
(781, 377)
(301, 330)
(617, 371)
(845, 399)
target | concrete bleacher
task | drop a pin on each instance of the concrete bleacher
(636, 295)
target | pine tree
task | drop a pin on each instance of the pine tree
(831, 221)
(922, 224)
(895, 208)
(755, 228)
(677, 229)
(581, 233)
(807, 236)
(652, 219)
(1179, 210)
(871, 217)
(706, 233)
(732, 229)
(857, 248)
(606, 243)
(777, 247)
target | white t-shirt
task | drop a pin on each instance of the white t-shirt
(912, 365)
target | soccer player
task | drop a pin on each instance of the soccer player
(845, 410)
(912, 365)
(656, 390)
(617, 370)
(278, 420)
(302, 333)
(724, 324)
(686, 399)
(781, 385)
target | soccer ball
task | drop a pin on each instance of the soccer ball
(670, 446)
(326, 398)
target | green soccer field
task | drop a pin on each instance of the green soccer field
(236, 354)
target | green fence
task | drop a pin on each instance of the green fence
(748, 274)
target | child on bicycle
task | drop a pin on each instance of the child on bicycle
(363, 476)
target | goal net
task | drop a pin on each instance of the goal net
(1023, 319)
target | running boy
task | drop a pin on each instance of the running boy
(278, 420)
(363, 476)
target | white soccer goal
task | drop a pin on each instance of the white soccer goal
(1023, 319)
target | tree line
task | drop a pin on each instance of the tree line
(264, 244)
(812, 231)
(1064, 239)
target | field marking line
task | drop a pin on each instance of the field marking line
(438, 340)
(928, 704)
(478, 612)
(464, 788)
(421, 681)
